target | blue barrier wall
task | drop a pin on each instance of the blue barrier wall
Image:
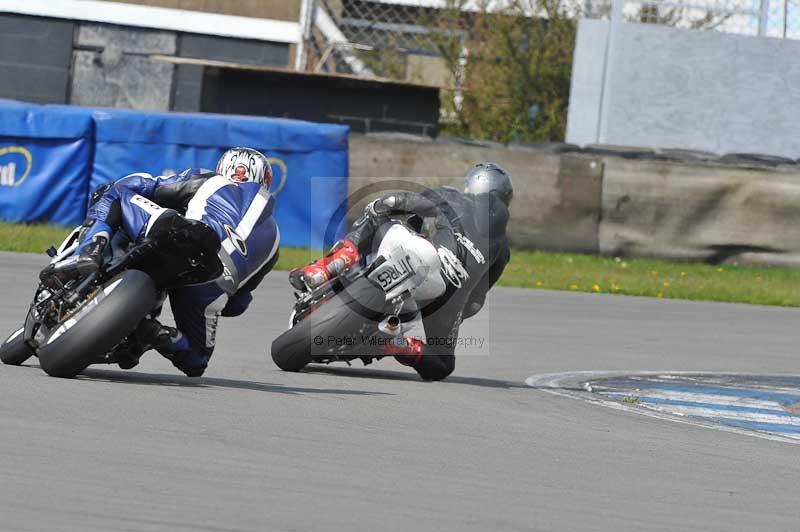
(306, 158)
(45, 160)
(303, 155)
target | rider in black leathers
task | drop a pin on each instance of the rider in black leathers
(469, 232)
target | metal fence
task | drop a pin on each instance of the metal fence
(734, 16)
(769, 18)
(370, 38)
(392, 38)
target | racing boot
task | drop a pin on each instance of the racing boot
(153, 335)
(86, 262)
(127, 353)
(342, 256)
(406, 350)
(174, 346)
(149, 334)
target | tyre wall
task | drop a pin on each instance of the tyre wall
(619, 201)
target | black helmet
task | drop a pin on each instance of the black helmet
(489, 177)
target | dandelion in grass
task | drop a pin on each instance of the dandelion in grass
(596, 287)
(539, 283)
(573, 287)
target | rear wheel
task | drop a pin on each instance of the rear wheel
(344, 314)
(14, 350)
(115, 312)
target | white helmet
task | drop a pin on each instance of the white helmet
(245, 165)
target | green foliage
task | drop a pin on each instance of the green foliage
(503, 63)
(630, 399)
(36, 238)
(557, 271)
(387, 63)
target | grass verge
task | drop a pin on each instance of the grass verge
(654, 278)
(30, 238)
(560, 271)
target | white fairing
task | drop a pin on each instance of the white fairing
(412, 264)
(68, 245)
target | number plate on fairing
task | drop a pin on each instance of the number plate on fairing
(391, 274)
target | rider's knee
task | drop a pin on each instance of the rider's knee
(436, 368)
(195, 372)
(192, 364)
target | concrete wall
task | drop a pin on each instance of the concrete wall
(575, 201)
(111, 67)
(708, 212)
(557, 197)
(35, 56)
(674, 88)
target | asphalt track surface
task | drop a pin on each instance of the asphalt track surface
(252, 448)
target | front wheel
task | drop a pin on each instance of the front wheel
(14, 350)
(102, 323)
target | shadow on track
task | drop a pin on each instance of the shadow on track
(160, 379)
(364, 373)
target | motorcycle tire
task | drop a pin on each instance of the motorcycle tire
(347, 311)
(14, 350)
(127, 298)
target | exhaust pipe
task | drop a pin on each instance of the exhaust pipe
(390, 325)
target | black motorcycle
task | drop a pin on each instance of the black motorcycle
(78, 320)
(357, 313)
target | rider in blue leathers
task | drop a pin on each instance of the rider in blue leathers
(235, 202)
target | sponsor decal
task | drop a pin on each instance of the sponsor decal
(452, 268)
(237, 241)
(390, 275)
(471, 247)
(211, 333)
(227, 275)
(15, 165)
(279, 174)
(145, 204)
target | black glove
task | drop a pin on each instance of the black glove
(98, 193)
(377, 208)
